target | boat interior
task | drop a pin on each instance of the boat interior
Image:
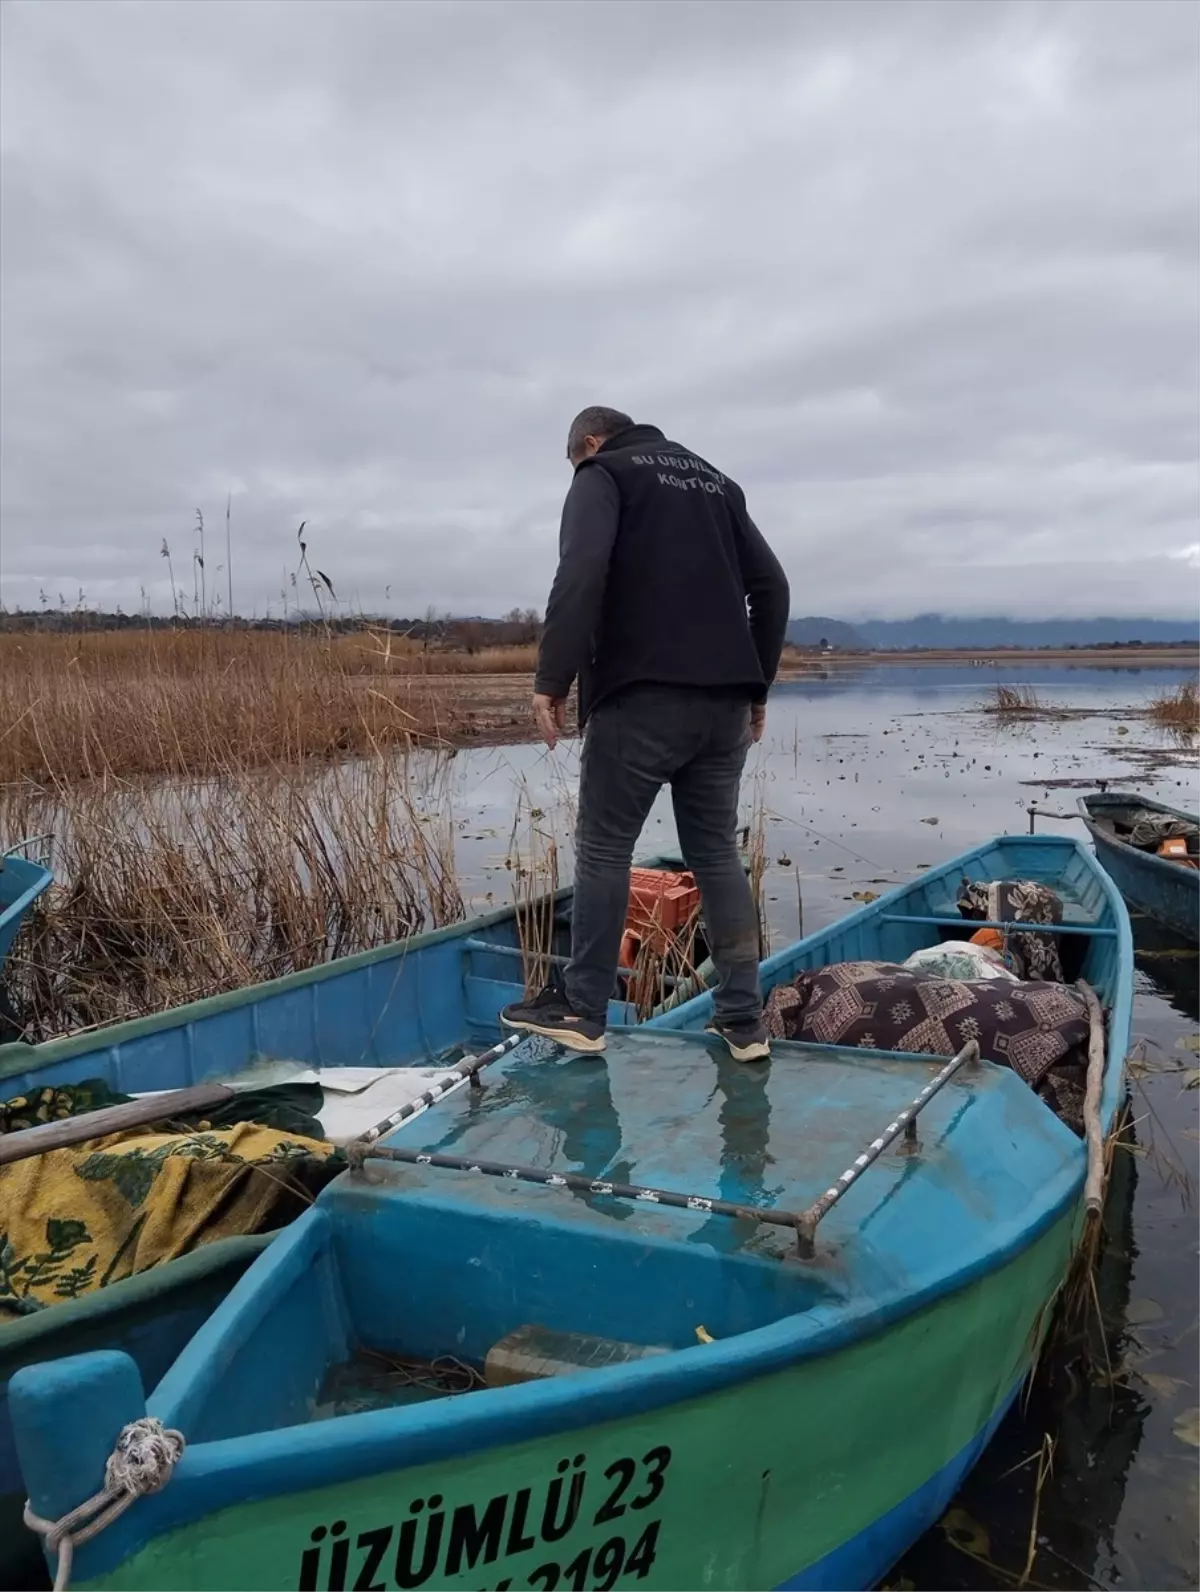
(1124, 820)
(926, 913)
(411, 1281)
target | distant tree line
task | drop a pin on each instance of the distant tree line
(519, 628)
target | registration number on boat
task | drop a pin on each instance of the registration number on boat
(548, 1525)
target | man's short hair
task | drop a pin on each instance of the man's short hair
(595, 421)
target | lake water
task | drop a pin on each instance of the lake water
(864, 779)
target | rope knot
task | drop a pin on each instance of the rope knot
(142, 1462)
(144, 1458)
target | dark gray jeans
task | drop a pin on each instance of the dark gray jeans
(635, 743)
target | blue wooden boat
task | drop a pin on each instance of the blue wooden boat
(1163, 889)
(22, 881)
(431, 996)
(788, 1324)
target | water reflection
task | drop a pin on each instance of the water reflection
(1119, 1508)
(1096, 1423)
(1169, 963)
(744, 1124)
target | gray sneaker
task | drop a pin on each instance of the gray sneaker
(746, 1041)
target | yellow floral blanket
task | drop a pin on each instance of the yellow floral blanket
(76, 1219)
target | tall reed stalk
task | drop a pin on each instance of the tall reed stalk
(533, 863)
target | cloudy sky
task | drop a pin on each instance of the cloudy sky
(923, 277)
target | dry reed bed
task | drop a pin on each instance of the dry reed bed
(227, 807)
(203, 648)
(232, 806)
(173, 890)
(1015, 699)
(95, 705)
(1178, 710)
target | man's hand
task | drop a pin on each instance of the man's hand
(550, 716)
(758, 720)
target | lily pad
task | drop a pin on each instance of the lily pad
(1164, 1386)
(1140, 1312)
(1187, 1428)
(965, 1532)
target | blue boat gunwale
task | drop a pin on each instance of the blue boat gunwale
(19, 1057)
(299, 1458)
(187, 1270)
(1113, 798)
(38, 879)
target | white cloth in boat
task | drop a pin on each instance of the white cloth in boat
(356, 1098)
(960, 959)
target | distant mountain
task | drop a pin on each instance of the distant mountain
(947, 631)
(812, 632)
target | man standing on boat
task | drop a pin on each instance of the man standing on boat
(670, 610)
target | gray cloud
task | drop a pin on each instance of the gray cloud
(922, 276)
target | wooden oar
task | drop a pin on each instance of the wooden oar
(110, 1119)
(1093, 1187)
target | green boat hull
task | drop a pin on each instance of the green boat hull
(151, 1316)
(756, 1486)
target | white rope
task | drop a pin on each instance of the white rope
(142, 1462)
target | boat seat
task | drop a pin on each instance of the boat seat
(533, 1353)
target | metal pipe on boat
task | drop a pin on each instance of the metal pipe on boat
(905, 1122)
(1095, 930)
(1035, 812)
(485, 947)
(466, 1071)
(804, 1224)
(21, 848)
(580, 1183)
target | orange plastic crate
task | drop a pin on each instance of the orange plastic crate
(660, 902)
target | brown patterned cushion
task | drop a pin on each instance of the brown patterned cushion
(1035, 956)
(1030, 1027)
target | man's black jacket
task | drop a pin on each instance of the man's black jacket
(663, 578)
